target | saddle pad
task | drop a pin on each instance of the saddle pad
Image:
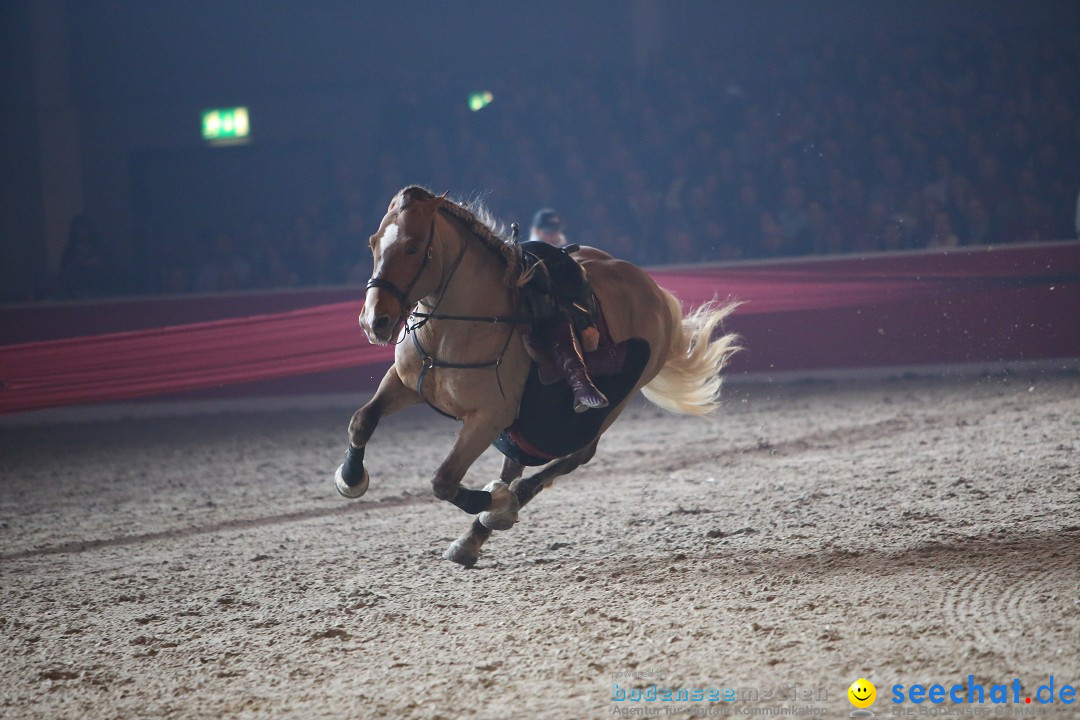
(547, 426)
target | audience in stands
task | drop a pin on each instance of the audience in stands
(87, 267)
(968, 138)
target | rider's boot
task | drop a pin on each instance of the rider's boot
(568, 357)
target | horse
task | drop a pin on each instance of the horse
(445, 274)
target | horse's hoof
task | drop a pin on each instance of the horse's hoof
(498, 521)
(350, 491)
(508, 504)
(462, 552)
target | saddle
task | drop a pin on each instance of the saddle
(557, 285)
(557, 290)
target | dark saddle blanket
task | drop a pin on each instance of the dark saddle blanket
(547, 426)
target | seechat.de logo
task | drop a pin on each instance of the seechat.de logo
(975, 693)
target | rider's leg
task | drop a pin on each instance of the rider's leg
(537, 347)
(569, 359)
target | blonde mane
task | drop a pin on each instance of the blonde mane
(477, 220)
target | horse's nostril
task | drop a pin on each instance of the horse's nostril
(381, 323)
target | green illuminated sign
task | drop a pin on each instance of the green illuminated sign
(225, 125)
(479, 101)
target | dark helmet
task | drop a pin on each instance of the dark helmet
(547, 219)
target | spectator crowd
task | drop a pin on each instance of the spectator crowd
(950, 139)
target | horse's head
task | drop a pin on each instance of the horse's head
(406, 266)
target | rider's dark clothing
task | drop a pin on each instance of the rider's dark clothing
(563, 279)
(562, 304)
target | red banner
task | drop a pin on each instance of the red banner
(1011, 303)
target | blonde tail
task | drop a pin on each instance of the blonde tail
(689, 382)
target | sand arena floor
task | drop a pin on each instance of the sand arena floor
(905, 531)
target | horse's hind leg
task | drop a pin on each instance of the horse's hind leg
(525, 489)
(351, 478)
(466, 549)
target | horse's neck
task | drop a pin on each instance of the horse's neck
(476, 287)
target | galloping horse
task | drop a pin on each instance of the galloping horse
(444, 268)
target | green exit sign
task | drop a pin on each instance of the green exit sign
(225, 125)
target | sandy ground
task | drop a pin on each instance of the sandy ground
(906, 531)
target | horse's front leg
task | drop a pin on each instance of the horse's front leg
(351, 479)
(466, 549)
(477, 433)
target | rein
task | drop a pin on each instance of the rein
(429, 361)
(493, 319)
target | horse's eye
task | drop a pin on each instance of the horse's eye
(412, 250)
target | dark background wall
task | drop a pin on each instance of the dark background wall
(21, 211)
(100, 100)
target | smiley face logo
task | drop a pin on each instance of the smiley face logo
(862, 693)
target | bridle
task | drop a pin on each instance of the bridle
(429, 361)
(402, 296)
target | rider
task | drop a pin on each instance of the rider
(567, 284)
(547, 226)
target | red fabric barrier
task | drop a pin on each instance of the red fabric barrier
(991, 304)
(185, 357)
(56, 320)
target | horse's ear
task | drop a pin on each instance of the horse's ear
(414, 193)
(402, 200)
